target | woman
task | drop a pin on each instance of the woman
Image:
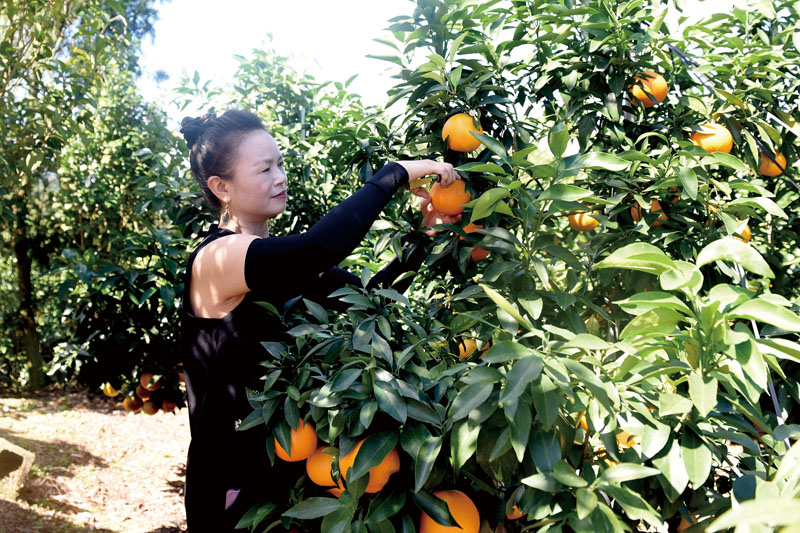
(240, 169)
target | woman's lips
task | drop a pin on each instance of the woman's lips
(280, 195)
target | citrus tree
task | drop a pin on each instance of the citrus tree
(614, 348)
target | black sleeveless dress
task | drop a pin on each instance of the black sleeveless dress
(222, 355)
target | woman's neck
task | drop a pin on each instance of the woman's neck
(259, 229)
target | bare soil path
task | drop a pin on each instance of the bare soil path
(97, 467)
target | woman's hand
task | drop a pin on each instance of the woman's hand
(431, 216)
(426, 167)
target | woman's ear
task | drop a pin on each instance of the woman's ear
(219, 187)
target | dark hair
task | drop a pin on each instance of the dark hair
(213, 142)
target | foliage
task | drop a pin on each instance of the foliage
(676, 343)
(57, 57)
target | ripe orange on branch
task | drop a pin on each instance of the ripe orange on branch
(713, 138)
(132, 404)
(450, 200)
(653, 83)
(768, 168)
(147, 381)
(477, 253)
(461, 507)
(583, 221)
(655, 207)
(746, 234)
(456, 132)
(515, 513)
(466, 348)
(378, 475)
(109, 390)
(303, 443)
(318, 468)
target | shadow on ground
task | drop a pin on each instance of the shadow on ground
(53, 460)
(18, 519)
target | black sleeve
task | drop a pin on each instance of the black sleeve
(290, 259)
(336, 278)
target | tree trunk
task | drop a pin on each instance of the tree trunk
(27, 310)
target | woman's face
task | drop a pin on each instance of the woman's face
(258, 188)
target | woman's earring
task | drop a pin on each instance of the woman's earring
(225, 215)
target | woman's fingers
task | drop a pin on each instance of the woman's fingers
(447, 174)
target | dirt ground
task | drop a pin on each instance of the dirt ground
(97, 467)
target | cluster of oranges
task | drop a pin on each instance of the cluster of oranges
(143, 399)
(319, 467)
(712, 137)
(319, 461)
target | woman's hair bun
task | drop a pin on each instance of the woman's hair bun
(193, 127)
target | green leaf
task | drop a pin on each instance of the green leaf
(491, 144)
(563, 472)
(484, 205)
(626, 472)
(586, 502)
(567, 193)
(762, 310)
(587, 342)
(735, 251)
(600, 161)
(772, 513)
(542, 482)
(313, 508)
(634, 505)
(655, 321)
(463, 442)
(645, 301)
(255, 515)
(557, 139)
(703, 392)
(673, 472)
(545, 447)
(372, 452)
(638, 256)
(424, 461)
(546, 399)
(469, 398)
(673, 404)
(390, 402)
(697, 458)
(505, 305)
(522, 373)
(435, 508)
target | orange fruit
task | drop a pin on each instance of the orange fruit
(677, 192)
(147, 382)
(461, 507)
(713, 138)
(335, 491)
(515, 513)
(582, 422)
(626, 440)
(686, 523)
(768, 168)
(746, 234)
(655, 207)
(318, 468)
(168, 406)
(142, 393)
(583, 221)
(466, 347)
(303, 443)
(477, 254)
(450, 200)
(456, 133)
(109, 390)
(132, 404)
(378, 475)
(653, 83)
(149, 407)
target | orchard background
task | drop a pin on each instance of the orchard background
(641, 375)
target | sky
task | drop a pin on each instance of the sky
(328, 38)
